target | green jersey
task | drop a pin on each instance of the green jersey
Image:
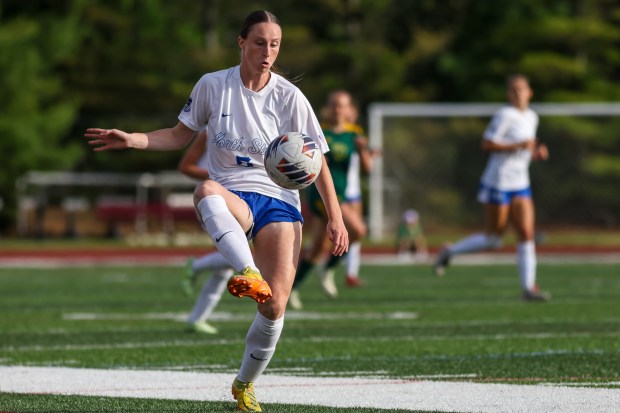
(341, 148)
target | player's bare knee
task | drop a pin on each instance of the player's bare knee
(272, 309)
(357, 232)
(362, 231)
(205, 189)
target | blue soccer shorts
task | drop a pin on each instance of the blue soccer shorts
(490, 195)
(266, 209)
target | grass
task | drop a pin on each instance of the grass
(72, 404)
(404, 323)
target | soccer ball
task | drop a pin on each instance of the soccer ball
(293, 160)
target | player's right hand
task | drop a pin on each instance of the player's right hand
(107, 139)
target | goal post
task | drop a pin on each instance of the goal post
(381, 217)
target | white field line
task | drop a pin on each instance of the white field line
(331, 339)
(78, 262)
(324, 391)
(495, 258)
(228, 316)
(367, 259)
(291, 315)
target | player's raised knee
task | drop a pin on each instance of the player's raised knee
(205, 189)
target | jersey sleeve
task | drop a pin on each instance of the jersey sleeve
(497, 126)
(194, 114)
(535, 121)
(304, 120)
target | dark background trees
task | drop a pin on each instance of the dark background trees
(130, 64)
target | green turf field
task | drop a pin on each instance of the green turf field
(469, 325)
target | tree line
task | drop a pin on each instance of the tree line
(67, 65)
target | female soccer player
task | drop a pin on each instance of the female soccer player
(505, 186)
(345, 141)
(244, 108)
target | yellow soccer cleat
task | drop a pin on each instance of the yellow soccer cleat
(249, 284)
(244, 394)
(202, 327)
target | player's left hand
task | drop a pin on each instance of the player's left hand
(361, 142)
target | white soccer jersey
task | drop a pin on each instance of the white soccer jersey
(353, 191)
(202, 161)
(508, 170)
(240, 125)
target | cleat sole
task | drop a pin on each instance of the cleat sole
(240, 286)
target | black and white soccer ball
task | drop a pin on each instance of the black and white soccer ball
(293, 160)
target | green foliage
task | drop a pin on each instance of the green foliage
(36, 112)
(130, 64)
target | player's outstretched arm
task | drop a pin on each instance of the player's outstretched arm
(160, 140)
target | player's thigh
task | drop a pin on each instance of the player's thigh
(357, 206)
(522, 217)
(353, 221)
(496, 217)
(276, 252)
(237, 206)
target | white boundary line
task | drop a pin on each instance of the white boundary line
(367, 259)
(324, 391)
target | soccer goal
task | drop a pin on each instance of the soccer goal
(431, 161)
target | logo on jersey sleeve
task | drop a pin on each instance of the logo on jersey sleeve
(188, 105)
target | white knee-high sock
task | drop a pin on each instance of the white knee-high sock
(475, 242)
(354, 259)
(210, 295)
(212, 261)
(260, 344)
(227, 233)
(526, 262)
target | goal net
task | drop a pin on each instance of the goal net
(431, 161)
